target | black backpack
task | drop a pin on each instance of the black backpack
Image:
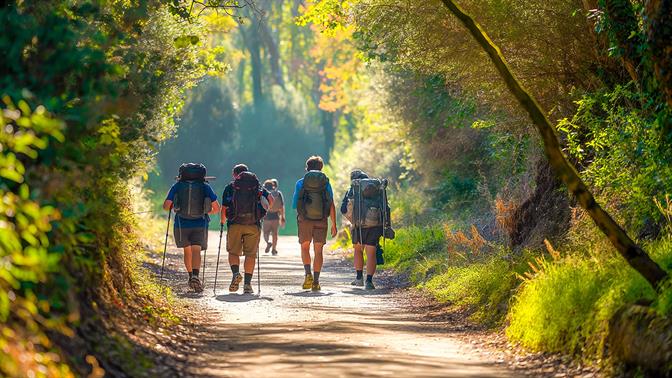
(314, 200)
(192, 172)
(246, 197)
(190, 201)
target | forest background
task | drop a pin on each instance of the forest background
(93, 93)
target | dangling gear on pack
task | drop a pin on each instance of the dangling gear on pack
(246, 196)
(365, 208)
(190, 199)
(313, 202)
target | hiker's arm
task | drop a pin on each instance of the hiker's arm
(222, 214)
(167, 205)
(332, 215)
(215, 207)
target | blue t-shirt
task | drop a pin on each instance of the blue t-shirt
(191, 223)
(299, 186)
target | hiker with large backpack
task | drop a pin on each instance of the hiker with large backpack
(365, 205)
(243, 211)
(192, 199)
(314, 203)
(275, 217)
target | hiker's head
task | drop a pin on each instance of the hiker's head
(275, 183)
(358, 174)
(238, 169)
(314, 163)
(268, 185)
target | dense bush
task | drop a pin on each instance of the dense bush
(89, 89)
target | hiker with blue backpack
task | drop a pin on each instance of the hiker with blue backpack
(365, 205)
(244, 205)
(192, 199)
(313, 201)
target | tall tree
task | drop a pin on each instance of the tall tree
(631, 252)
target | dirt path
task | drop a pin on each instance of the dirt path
(342, 331)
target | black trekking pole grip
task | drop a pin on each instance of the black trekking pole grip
(165, 246)
(219, 248)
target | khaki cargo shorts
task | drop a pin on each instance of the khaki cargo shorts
(315, 231)
(243, 239)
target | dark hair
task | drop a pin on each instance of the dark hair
(314, 163)
(268, 184)
(239, 168)
(358, 174)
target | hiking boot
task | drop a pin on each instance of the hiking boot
(235, 282)
(196, 284)
(369, 286)
(247, 289)
(274, 253)
(357, 282)
(316, 286)
(308, 282)
(268, 247)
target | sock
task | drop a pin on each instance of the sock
(306, 267)
(360, 274)
(190, 275)
(316, 277)
(235, 269)
(369, 278)
(248, 278)
(195, 272)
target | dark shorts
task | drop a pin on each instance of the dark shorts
(315, 231)
(185, 237)
(370, 236)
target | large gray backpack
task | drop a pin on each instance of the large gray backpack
(190, 200)
(314, 200)
(366, 203)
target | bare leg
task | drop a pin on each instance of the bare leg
(317, 265)
(195, 256)
(370, 259)
(358, 257)
(187, 258)
(305, 253)
(249, 264)
(275, 237)
(234, 259)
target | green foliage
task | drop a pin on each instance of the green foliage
(28, 259)
(622, 150)
(575, 319)
(89, 89)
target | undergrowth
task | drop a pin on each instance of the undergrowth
(567, 304)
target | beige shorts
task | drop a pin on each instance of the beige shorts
(315, 231)
(242, 239)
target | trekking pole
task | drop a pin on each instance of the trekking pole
(165, 246)
(219, 248)
(205, 252)
(258, 273)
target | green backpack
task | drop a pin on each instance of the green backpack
(314, 200)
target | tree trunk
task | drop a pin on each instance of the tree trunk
(251, 40)
(274, 54)
(631, 252)
(659, 37)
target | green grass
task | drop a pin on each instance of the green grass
(567, 305)
(483, 285)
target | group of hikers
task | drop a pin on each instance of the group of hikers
(249, 209)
